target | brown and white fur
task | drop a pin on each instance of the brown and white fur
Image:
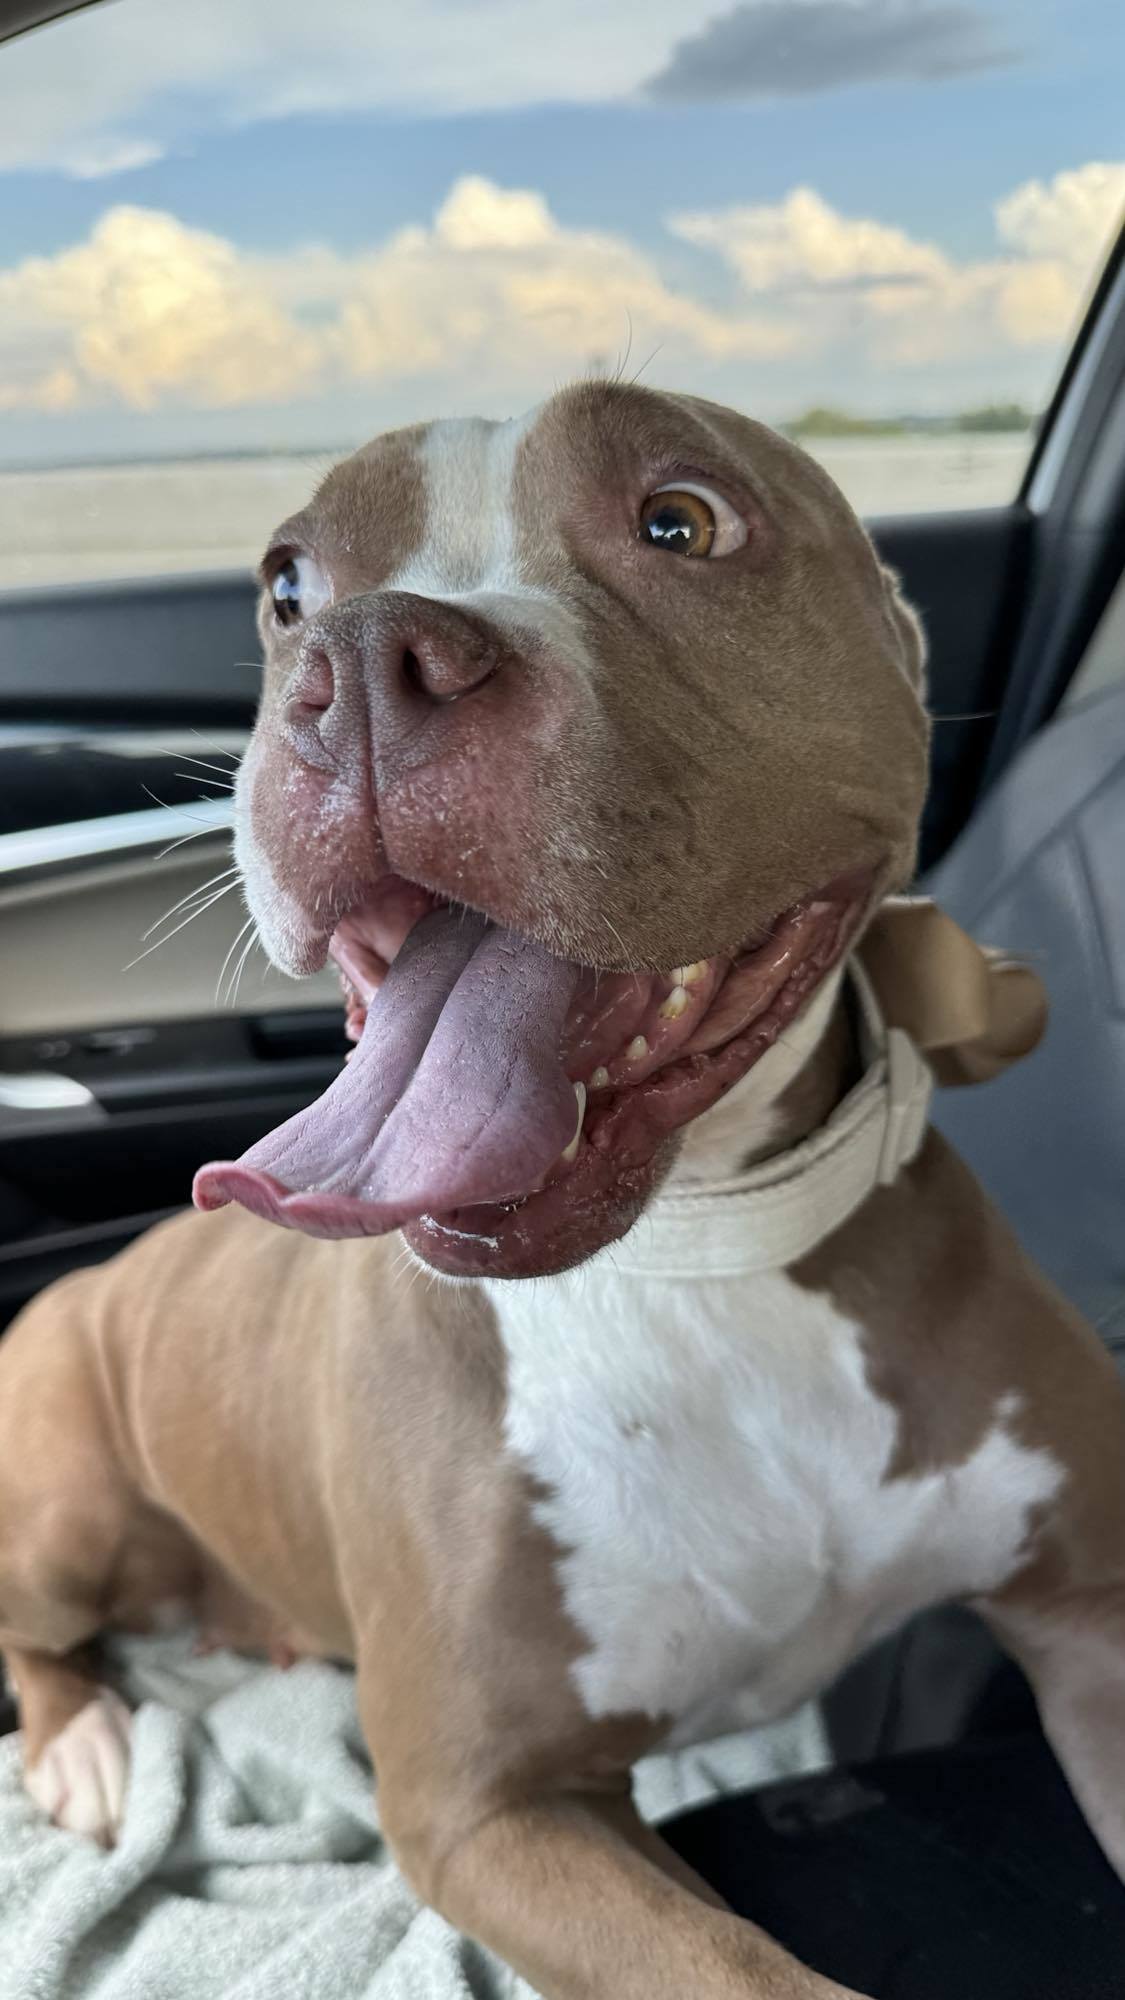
(555, 1519)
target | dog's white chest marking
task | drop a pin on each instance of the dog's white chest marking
(713, 1463)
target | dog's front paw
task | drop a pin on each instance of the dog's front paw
(79, 1780)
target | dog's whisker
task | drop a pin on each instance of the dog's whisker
(207, 825)
(202, 764)
(236, 976)
(191, 897)
(222, 747)
(203, 902)
(173, 844)
(206, 902)
(193, 778)
(623, 359)
(647, 363)
(615, 933)
(215, 897)
(413, 1280)
(255, 944)
(199, 902)
(231, 949)
(232, 982)
(177, 750)
(227, 997)
(248, 947)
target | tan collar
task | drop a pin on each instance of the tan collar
(781, 1209)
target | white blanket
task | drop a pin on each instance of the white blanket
(250, 1864)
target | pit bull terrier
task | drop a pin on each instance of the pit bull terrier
(592, 747)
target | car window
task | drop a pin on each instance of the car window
(239, 236)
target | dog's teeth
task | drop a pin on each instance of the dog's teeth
(689, 975)
(677, 1000)
(570, 1152)
(599, 1079)
(637, 1049)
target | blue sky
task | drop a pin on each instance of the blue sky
(149, 306)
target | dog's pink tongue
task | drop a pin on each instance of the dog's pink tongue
(456, 1093)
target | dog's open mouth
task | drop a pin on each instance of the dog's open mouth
(509, 1109)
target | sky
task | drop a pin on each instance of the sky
(255, 224)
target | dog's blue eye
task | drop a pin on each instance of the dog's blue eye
(682, 523)
(300, 589)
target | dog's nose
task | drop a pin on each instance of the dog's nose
(445, 658)
(409, 657)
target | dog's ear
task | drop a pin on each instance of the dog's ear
(970, 1010)
(907, 628)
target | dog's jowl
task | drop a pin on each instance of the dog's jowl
(591, 748)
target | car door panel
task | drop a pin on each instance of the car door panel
(123, 1064)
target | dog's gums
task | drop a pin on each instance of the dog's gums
(511, 1111)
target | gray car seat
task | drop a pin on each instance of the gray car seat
(1040, 871)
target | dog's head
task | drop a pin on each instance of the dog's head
(586, 746)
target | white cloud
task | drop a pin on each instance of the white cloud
(1069, 218)
(114, 78)
(498, 281)
(148, 311)
(495, 299)
(908, 300)
(142, 67)
(107, 156)
(802, 242)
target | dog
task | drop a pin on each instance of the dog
(627, 1339)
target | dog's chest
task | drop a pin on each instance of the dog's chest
(713, 1468)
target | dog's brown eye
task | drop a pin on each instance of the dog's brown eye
(300, 589)
(689, 520)
(678, 521)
